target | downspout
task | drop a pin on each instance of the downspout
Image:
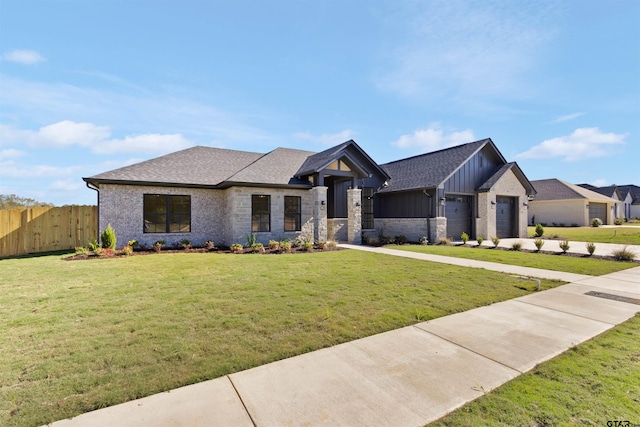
(97, 189)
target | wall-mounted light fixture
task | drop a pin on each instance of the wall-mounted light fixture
(587, 205)
(525, 204)
(357, 203)
(493, 202)
(442, 200)
(324, 202)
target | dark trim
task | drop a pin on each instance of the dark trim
(167, 213)
(222, 186)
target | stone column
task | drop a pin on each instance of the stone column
(437, 229)
(320, 214)
(354, 216)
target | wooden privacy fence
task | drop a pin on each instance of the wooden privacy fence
(32, 230)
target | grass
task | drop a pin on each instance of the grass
(620, 235)
(578, 265)
(589, 385)
(83, 335)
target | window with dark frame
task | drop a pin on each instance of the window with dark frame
(260, 213)
(367, 208)
(166, 213)
(292, 213)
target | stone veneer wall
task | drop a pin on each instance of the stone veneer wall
(122, 207)
(510, 186)
(412, 228)
(337, 230)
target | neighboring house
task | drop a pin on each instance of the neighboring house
(629, 196)
(204, 193)
(564, 204)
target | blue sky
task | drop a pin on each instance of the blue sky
(89, 86)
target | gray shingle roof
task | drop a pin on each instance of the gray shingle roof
(555, 189)
(429, 170)
(277, 167)
(317, 161)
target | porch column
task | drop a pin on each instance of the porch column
(354, 216)
(437, 229)
(319, 214)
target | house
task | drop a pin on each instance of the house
(563, 204)
(204, 193)
(628, 196)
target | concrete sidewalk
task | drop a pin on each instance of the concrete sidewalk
(406, 377)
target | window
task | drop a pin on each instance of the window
(167, 214)
(367, 208)
(292, 213)
(260, 213)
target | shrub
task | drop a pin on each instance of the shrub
(623, 254)
(401, 240)
(236, 248)
(480, 240)
(516, 246)
(371, 240)
(596, 222)
(108, 238)
(465, 238)
(496, 241)
(385, 240)
(133, 243)
(93, 245)
(539, 230)
(307, 246)
(81, 250)
(539, 243)
(209, 245)
(331, 244)
(564, 245)
(186, 244)
(619, 221)
(251, 240)
(274, 245)
(257, 248)
(424, 240)
(127, 250)
(158, 245)
(444, 241)
(591, 247)
(322, 245)
(285, 246)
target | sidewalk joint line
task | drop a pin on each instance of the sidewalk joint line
(242, 401)
(468, 349)
(562, 311)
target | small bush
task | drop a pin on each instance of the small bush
(401, 240)
(465, 238)
(331, 244)
(209, 245)
(516, 246)
(251, 240)
(496, 241)
(444, 241)
(321, 245)
(623, 254)
(236, 248)
(307, 246)
(596, 222)
(158, 245)
(133, 243)
(93, 245)
(371, 240)
(81, 250)
(284, 245)
(539, 230)
(108, 238)
(127, 250)
(564, 245)
(619, 221)
(480, 240)
(185, 244)
(257, 248)
(424, 240)
(385, 240)
(539, 243)
(274, 245)
(591, 247)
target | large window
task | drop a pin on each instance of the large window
(167, 214)
(292, 213)
(367, 208)
(260, 213)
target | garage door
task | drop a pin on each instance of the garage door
(505, 216)
(598, 210)
(458, 213)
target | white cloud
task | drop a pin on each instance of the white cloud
(10, 169)
(149, 143)
(567, 117)
(26, 57)
(326, 138)
(581, 144)
(599, 182)
(66, 134)
(433, 138)
(69, 185)
(460, 49)
(10, 153)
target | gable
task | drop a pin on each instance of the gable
(555, 189)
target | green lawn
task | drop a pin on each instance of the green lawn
(82, 335)
(620, 235)
(578, 265)
(589, 385)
